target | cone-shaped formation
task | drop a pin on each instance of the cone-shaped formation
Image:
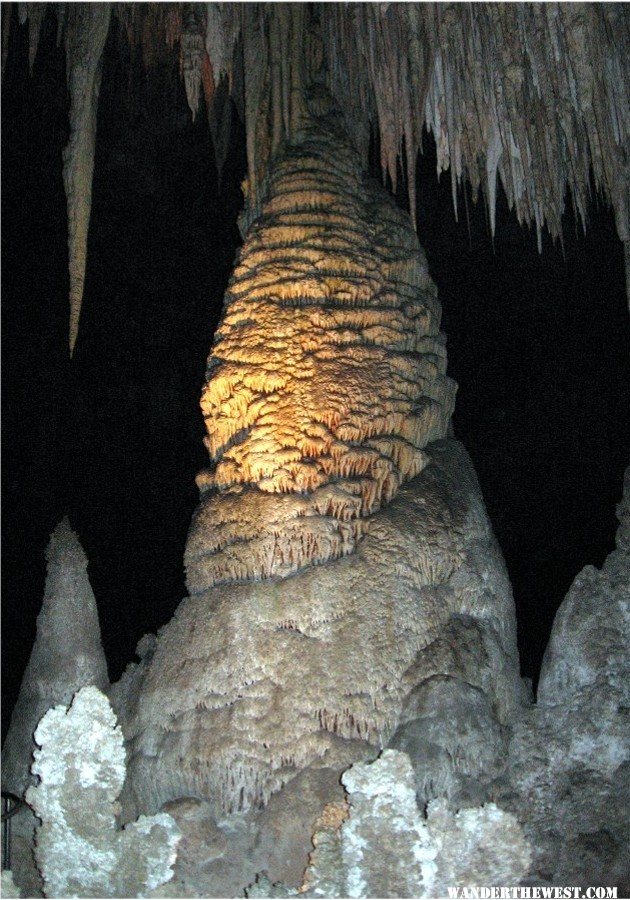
(327, 377)
(86, 34)
(67, 654)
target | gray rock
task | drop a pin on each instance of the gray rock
(67, 654)
(252, 683)
(381, 845)
(569, 758)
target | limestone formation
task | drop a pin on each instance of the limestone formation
(380, 844)
(325, 402)
(533, 95)
(569, 760)
(86, 31)
(327, 376)
(80, 850)
(454, 739)
(252, 683)
(67, 654)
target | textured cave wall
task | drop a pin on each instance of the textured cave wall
(325, 403)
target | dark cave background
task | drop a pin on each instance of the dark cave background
(539, 345)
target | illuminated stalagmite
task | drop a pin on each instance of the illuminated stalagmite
(326, 392)
(346, 591)
(327, 377)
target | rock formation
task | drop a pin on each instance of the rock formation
(569, 758)
(86, 32)
(80, 850)
(378, 843)
(327, 376)
(67, 654)
(326, 399)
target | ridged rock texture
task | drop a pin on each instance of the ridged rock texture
(535, 95)
(325, 402)
(327, 376)
(80, 849)
(251, 683)
(67, 654)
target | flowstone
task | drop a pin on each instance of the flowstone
(80, 850)
(251, 684)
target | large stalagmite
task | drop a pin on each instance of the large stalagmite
(323, 587)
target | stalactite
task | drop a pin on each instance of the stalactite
(7, 13)
(86, 32)
(192, 54)
(531, 95)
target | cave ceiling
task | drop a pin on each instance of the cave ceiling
(532, 95)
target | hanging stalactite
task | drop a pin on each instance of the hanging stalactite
(86, 32)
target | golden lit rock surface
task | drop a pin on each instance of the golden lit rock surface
(327, 376)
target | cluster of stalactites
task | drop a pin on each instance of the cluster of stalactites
(327, 377)
(535, 94)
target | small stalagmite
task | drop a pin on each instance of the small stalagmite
(67, 654)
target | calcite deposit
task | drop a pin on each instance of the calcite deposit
(340, 547)
(80, 850)
(379, 844)
(327, 375)
(569, 757)
(86, 31)
(67, 654)
(534, 96)
(251, 683)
